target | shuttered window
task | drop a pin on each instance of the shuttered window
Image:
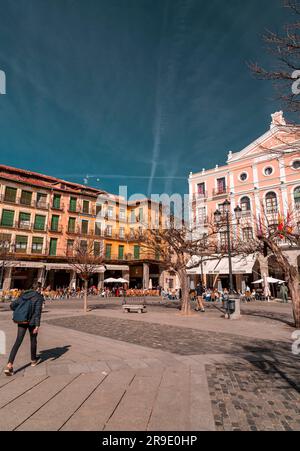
(37, 245)
(53, 246)
(41, 200)
(108, 251)
(136, 252)
(86, 206)
(26, 197)
(121, 253)
(56, 201)
(97, 248)
(7, 218)
(10, 194)
(73, 203)
(21, 243)
(39, 222)
(71, 225)
(54, 223)
(24, 220)
(84, 227)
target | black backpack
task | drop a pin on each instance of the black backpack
(23, 311)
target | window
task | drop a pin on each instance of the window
(271, 202)
(84, 227)
(131, 232)
(97, 229)
(201, 189)
(268, 171)
(136, 252)
(245, 204)
(132, 216)
(141, 214)
(37, 245)
(97, 248)
(53, 247)
(110, 212)
(71, 225)
(41, 200)
(122, 232)
(243, 176)
(73, 204)
(122, 214)
(7, 219)
(84, 246)
(108, 251)
(223, 240)
(39, 222)
(201, 215)
(121, 253)
(108, 230)
(24, 220)
(21, 243)
(10, 194)
(221, 185)
(297, 197)
(98, 209)
(70, 246)
(86, 207)
(56, 201)
(296, 164)
(247, 233)
(26, 197)
(54, 223)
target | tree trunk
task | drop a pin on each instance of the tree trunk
(85, 296)
(293, 284)
(185, 291)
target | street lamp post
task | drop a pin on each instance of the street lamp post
(218, 219)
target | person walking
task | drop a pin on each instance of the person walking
(199, 293)
(284, 293)
(27, 315)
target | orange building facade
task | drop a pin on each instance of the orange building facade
(41, 217)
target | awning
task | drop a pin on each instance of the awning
(240, 265)
(117, 267)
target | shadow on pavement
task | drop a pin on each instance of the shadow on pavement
(54, 353)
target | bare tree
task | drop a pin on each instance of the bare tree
(284, 47)
(85, 259)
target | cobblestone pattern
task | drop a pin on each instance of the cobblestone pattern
(178, 340)
(257, 396)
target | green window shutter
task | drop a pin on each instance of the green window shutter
(84, 227)
(121, 252)
(97, 248)
(71, 225)
(21, 243)
(136, 252)
(56, 201)
(73, 203)
(86, 206)
(39, 222)
(37, 245)
(7, 218)
(108, 251)
(10, 194)
(53, 246)
(54, 223)
(26, 197)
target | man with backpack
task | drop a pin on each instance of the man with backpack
(27, 315)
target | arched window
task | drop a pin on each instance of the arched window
(245, 204)
(297, 197)
(271, 202)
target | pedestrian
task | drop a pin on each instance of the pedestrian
(27, 315)
(199, 293)
(284, 293)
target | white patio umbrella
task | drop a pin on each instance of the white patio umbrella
(110, 280)
(269, 280)
(121, 280)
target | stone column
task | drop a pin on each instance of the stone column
(7, 279)
(101, 281)
(126, 274)
(41, 276)
(264, 267)
(145, 276)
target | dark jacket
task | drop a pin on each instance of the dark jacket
(37, 304)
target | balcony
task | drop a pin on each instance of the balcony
(59, 207)
(220, 192)
(58, 229)
(41, 205)
(200, 197)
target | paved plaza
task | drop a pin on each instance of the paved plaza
(108, 370)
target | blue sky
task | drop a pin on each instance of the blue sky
(132, 92)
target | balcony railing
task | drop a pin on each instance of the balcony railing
(198, 197)
(58, 229)
(221, 191)
(59, 207)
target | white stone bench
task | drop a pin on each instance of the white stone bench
(128, 308)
